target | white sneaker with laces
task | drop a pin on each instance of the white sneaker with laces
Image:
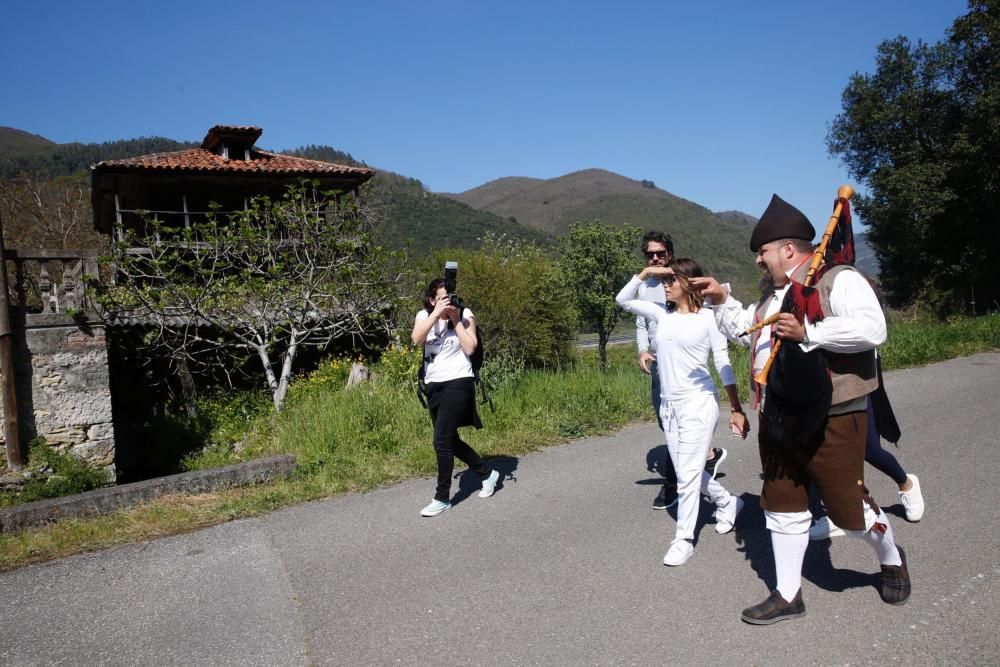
(435, 508)
(679, 552)
(913, 500)
(725, 516)
(824, 529)
(489, 485)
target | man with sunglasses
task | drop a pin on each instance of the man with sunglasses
(658, 250)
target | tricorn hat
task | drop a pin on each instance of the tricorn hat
(781, 220)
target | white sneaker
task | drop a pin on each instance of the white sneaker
(913, 500)
(725, 516)
(489, 485)
(679, 552)
(435, 508)
(824, 529)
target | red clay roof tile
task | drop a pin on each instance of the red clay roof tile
(202, 160)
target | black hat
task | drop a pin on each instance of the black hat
(781, 220)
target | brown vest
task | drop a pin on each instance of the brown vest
(852, 375)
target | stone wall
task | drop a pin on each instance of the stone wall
(63, 392)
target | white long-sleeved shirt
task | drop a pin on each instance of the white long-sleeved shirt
(683, 343)
(856, 324)
(650, 290)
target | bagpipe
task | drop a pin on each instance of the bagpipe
(798, 390)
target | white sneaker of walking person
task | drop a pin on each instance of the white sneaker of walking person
(725, 516)
(913, 500)
(435, 508)
(678, 553)
(489, 485)
(824, 529)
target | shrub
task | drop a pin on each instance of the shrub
(54, 474)
(524, 309)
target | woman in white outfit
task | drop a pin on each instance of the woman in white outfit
(689, 407)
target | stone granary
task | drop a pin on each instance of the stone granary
(67, 388)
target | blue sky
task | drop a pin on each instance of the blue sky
(722, 103)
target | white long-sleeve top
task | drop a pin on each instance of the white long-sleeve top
(650, 290)
(856, 324)
(683, 343)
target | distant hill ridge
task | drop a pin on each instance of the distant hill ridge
(719, 242)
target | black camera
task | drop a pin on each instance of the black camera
(450, 285)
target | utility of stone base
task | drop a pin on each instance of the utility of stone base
(112, 498)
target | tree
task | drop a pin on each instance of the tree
(922, 134)
(42, 213)
(261, 282)
(597, 261)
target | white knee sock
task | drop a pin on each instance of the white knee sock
(883, 542)
(789, 552)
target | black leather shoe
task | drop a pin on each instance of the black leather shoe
(896, 581)
(775, 609)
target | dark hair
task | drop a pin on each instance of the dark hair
(800, 245)
(685, 268)
(658, 237)
(431, 293)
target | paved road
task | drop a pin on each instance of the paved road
(562, 566)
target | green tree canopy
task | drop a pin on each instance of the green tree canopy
(597, 260)
(520, 301)
(923, 134)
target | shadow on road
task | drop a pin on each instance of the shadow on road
(469, 482)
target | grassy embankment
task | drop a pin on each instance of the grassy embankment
(356, 439)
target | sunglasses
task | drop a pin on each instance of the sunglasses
(650, 254)
(670, 279)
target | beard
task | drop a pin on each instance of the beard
(766, 284)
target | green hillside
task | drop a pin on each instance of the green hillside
(424, 220)
(51, 160)
(718, 242)
(17, 144)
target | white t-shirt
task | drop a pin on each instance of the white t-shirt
(444, 358)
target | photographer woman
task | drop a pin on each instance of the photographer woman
(449, 340)
(689, 408)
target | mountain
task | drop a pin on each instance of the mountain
(717, 241)
(16, 143)
(864, 256)
(423, 220)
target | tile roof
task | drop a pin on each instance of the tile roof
(247, 133)
(202, 160)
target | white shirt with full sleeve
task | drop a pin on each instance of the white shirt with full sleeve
(444, 358)
(650, 290)
(856, 324)
(683, 343)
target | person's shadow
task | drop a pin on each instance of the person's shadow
(754, 541)
(469, 482)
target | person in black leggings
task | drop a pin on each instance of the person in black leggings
(449, 340)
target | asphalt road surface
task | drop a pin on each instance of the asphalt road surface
(563, 566)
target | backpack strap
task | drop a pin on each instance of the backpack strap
(421, 385)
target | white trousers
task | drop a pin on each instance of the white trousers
(688, 425)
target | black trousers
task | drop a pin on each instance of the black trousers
(453, 404)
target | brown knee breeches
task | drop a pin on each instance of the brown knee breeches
(833, 460)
